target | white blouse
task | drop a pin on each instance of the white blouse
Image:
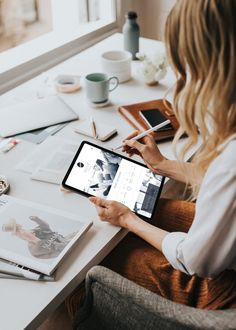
(210, 245)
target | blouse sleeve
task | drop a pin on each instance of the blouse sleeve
(210, 245)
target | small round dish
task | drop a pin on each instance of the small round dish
(4, 185)
(67, 83)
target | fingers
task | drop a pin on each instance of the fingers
(134, 144)
(99, 201)
(125, 147)
(102, 213)
(148, 139)
(130, 151)
(101, 207)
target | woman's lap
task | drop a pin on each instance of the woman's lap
(146, 266)
(138, 261)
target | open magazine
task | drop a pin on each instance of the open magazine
(37, 236)
(51, 168)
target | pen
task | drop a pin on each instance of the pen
(141, 135)
(93, 128)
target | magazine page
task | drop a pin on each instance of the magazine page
(37, 236)
(52, 167)
(55, 166)
(10, 269)
(22, 277)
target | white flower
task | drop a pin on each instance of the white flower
(158, 59)
(141, 56)
(148, 71)
(160, 74)
(153, 67)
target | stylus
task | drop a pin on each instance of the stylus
(141, 135)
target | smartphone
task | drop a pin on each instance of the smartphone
(154, 117)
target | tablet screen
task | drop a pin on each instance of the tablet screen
(99, 172)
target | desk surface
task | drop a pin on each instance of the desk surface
(25, 304)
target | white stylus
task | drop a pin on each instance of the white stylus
(141, 135)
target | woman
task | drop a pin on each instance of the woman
(186, 257)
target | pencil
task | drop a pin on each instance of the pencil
(93, 128)
(141, 135)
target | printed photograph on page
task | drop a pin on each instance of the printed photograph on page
(33, 233)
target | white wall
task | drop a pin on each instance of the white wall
(151, 15)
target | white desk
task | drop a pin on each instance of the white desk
(25, 304)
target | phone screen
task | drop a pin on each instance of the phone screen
(154, 117)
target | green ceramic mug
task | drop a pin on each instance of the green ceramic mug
(98, 86)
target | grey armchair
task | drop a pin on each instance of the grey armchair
(113, 302)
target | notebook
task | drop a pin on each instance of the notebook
(104, 130)
(132, 113)
(28, 116)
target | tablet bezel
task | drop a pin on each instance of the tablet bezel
(64, 185)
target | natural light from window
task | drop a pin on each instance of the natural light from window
(30, 28)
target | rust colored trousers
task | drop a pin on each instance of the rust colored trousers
(141, 263)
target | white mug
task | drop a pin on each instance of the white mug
(117, 63)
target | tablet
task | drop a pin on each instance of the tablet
(96, 171)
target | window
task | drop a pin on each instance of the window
(23, 20)
(51, 29)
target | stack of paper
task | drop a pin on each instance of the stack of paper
(12, 270)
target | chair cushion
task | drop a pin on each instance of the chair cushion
(113, 302)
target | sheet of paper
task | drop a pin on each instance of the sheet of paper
(38, 136)
(50, 160)
(54, 168)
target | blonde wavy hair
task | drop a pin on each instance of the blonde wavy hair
(201, 47)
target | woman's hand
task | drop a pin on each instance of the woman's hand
(114, 212)
(145, 148)
(120, 215)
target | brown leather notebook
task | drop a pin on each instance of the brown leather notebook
(132, 114)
